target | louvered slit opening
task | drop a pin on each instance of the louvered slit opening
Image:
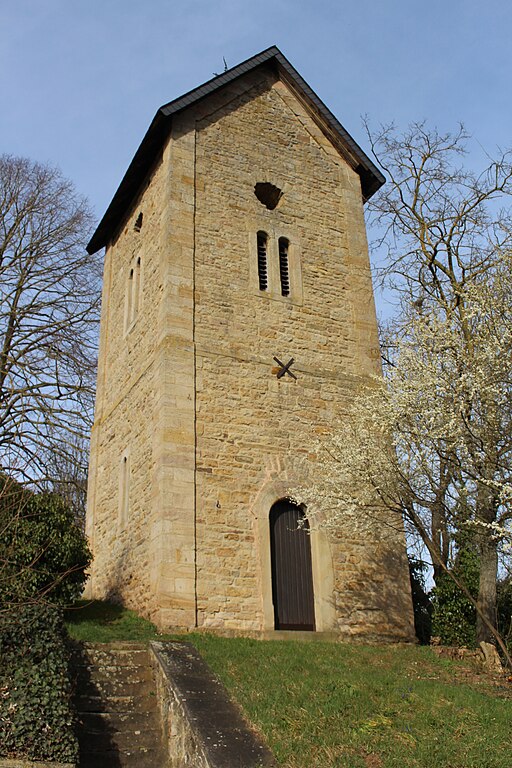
(262, 261)
(284, 269)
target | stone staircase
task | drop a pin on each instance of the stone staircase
(119, 722)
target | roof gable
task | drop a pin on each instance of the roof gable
(158, 131)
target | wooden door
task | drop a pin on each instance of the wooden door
(292, 575)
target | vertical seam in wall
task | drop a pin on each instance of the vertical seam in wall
(97, 421)
(106, 265)
(195, 370)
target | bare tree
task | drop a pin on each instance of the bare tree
(66, 473)
(49, 305)
(441, 225)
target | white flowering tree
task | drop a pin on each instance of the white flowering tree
(433, 441)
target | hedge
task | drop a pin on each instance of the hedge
(36, 715)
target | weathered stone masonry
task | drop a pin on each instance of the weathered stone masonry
(191, 421)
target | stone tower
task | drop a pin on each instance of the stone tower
(234, 243)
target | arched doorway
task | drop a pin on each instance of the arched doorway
(292, 575)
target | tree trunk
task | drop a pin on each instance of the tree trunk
(440, 541)
(439, 528)
(487, 589)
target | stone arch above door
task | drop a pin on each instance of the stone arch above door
(321, 558)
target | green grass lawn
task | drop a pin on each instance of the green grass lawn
(322, 705)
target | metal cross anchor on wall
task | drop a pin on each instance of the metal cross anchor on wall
(285, 368)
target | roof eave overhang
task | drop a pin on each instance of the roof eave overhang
(156, 136)
(143, 160)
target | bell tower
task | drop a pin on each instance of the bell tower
(237, 319)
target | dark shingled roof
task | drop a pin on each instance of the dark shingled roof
(158, 131)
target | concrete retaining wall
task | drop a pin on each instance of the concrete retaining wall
(203, 728)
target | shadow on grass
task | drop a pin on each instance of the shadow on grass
(98, 621)
(94, 610)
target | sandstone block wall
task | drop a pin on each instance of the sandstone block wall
(125, 415)
(253, 429)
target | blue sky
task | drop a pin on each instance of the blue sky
(80, 81)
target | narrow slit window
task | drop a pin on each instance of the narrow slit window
(138, 223)
(262, 261)
(284, 267)
(124, 490)
(129, 299)
(136, 290)
(133, 297)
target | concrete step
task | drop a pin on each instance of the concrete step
(300, 636)
(104, 676)
(115, 758)
(126, 702)
(132, 739)
(119, 722)
(110, 656)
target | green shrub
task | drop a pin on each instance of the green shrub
(504, 606)
(43, 552)
(453, 615)
(421, 603)
(36, 717)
